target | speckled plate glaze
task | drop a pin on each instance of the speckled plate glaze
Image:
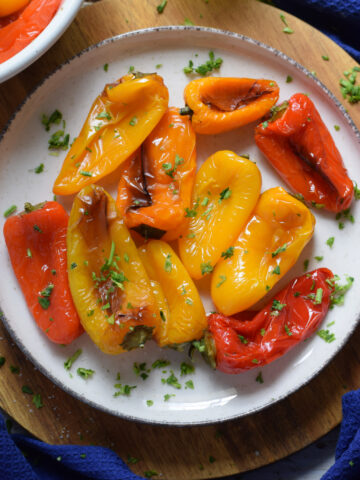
(216, 397)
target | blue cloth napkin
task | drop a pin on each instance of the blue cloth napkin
(25, 458)
(338, 19)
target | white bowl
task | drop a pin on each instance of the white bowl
(60, 22)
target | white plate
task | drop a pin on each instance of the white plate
(57, 26)
(72, 88)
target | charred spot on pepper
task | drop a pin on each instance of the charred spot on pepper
(136, 183)
(147, 231)
(93, 223)
(235, 100)
(137, 337)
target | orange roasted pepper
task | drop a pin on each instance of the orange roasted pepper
(182, 312)
(266, 249)
(119, 120)
(226, 190)
(108, 282)
(221, 104)
(157, 182)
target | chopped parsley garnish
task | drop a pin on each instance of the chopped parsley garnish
(225, 194)
(326, 335)
(69, 362)
(318, 296)
(279, 250)
(9, 211)
(40, 168)
(44, 299)
(338, 295)
(330, 241)
(287, 330)
(169, 169)
(37, 228)
(206, 268)
(123, 389)
(55, 118)
(243, 339)
(160, 363)
(318, 258)
(189, 384)
(172, 380)
(37, 401)
(228, 253)
(222, 280)
(85, 372)
(337, 128)
(287, 29)
(276, 307)
(59, 140)
(289, 79)
(212, 459)
(262, 332)
(105, 115)
(255, 360)
(133, 121)
(14, 369)
(160, 8)
(168, 264)
(186, 369)
(73, 265)
(149, 403)
(276, 270)
(207, 67)
(85, 174)
(325, 57)
(188, 301)
(306, 265)
(188, 22)
(190, 213)
(259, 378)
(27, 389)
(168, 396)
(131, 460)
(106, 67)
(348, 87)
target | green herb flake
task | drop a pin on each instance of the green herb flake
(279, 250)
(104, 114)
(28, 253)
(325, 57)
(123, 389)
(189, 384)
(69, 362)
(276, 270)
(37, 401)
(326, 335)
(188, 301)
(337, 128)
(55, 118)
(133, 121)
(255, 360)
(222, 280)
(160, 363)
(85, 373)
(167, 396)
(15, 370)
(319, 258)
(106, 67)
(9, 211)
(212, 459)
(228, 253)
(243, 339)
(207, 67)
(287, 330)
(306, 265)
(225, 194)
(168, 264)
(330, 241)
(59, 141)
(262, 332)
(289, 79)
(206, 268)
(161, 7)
(172, 380)
(149, 403)
(318, 296)
(259, 378)
(186, 369)
(85, 174)
(190, 213)
(131, 460)
(40, 168)
(27, 389)
(188, 22)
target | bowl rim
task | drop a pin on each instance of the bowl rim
(51, 33)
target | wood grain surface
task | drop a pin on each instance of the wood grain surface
(183, 453)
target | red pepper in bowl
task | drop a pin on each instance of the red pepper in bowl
(252, 339)
(36, 242)
(299, 146)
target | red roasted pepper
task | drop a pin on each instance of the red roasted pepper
(299, 146)
(36, 242)
(252, 339)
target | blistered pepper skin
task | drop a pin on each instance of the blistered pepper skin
(253, 339)
(279, 221)
(120, 119)
(157, 182)
(299, 146)
(217, 222)
(223, 104)
(36, 243)
(183, 314)
(109, 284)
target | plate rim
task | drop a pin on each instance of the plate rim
(147, 31)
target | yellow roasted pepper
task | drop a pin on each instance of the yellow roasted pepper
(266, 249)
(108, 282)
(119, 120)
(226, 190)
(182, 312)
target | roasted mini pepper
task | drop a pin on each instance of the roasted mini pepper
(157, 182)
(298, 145)
(252, 339)
(266, 249)
(25, 25)
(108, 282)
(182, 312)
(119, 120)
(220, 104)
(36, 242)
(226, 190)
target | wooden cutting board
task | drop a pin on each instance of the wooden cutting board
(183, 453)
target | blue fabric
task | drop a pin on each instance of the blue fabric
(339, 19)
(347, 456)
(25, 458)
